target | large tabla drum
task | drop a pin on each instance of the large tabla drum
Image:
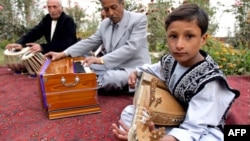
(33, 62)
(12, 58)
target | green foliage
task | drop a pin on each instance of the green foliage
(16, 16)
(78, 14)
(3, 43)
(156, 14)
(8, 27)
(131, 5)
(232, 61)
(88, 28)
(86, 24)
(1, 57)
(241, 10)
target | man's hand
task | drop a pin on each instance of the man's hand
(34, 47)
(55, 55)
(92, 60)
(14, 46)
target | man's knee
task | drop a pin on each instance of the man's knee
(113, 81)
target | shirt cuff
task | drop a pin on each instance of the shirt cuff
(102, 62)
(66, 53)
(183, 135)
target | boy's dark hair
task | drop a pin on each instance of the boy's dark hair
(189, 12)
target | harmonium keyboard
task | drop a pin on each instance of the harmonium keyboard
(68, 88)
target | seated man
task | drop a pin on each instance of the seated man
(123, 35)
(100, 50)
(58, 29)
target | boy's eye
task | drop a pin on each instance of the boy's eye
(189, 36)
(172, 36)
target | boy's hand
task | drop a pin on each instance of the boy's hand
(132, 80)
(119, 133)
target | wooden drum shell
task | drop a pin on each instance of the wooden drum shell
(33, 62)
(12, 59)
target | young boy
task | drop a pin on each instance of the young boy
(193, 78)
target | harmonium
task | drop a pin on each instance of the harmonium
(68, 88)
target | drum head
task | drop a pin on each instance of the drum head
(27, 55)
(15, 52)
(13, 59)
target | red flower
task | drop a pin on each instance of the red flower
(238, 3)
(1, 7)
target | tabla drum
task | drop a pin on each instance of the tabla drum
(12, 59)
(33, 62)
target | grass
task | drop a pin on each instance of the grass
(1, 57)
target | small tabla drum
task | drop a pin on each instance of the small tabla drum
(33, 62)
(12, 58)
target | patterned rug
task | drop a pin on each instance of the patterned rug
(23, 118)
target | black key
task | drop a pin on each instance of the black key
(78, 67)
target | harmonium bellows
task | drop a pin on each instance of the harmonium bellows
(68, 88)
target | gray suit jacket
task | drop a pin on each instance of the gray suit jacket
(130, 43)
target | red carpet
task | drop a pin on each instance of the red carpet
(22, 117)
(240, 112)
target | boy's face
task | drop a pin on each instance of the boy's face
(184, 42)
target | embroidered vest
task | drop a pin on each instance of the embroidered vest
(194, 79)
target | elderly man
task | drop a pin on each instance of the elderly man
(58, 29)
(124, 37)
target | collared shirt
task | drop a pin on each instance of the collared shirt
(53, 27)
(206, 107)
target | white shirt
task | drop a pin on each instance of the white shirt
(205, 108)
(53, 27)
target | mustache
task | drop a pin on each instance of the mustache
(113, 17)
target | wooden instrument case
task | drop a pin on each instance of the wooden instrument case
(65, 93)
